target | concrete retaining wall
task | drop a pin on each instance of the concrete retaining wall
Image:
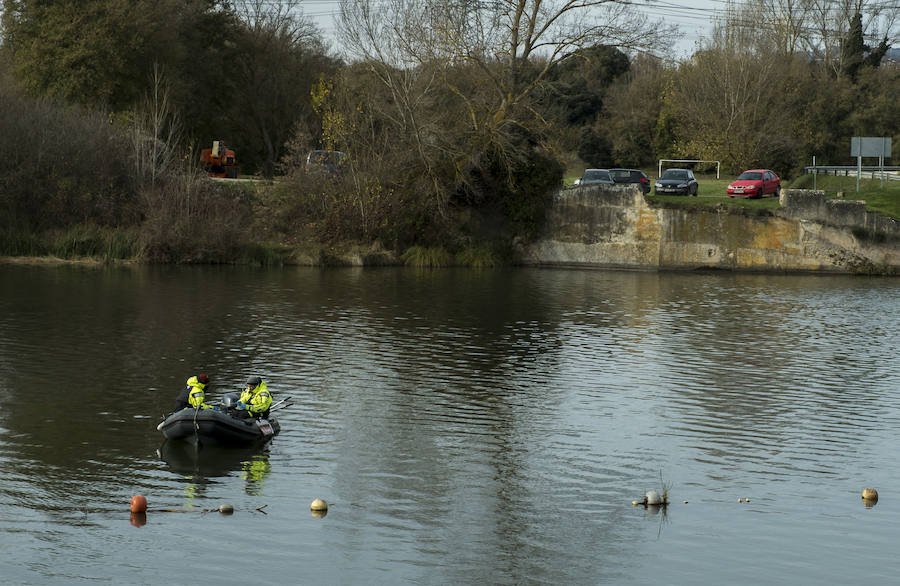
(614, 226)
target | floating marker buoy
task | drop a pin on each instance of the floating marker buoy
(318, 505)
(740, 500)
(869, 494)
(635, 503)
(138, 504)
(653, 498)
(226, 509)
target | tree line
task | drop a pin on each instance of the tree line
(458, 117)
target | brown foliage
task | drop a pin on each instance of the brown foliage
(61, 165)
(194, 219)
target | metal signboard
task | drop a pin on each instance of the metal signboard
(870, 146)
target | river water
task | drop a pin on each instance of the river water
(466, 427)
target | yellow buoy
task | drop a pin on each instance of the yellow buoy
(869, 494)
(318, 505)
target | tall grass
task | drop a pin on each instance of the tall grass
(478, 257)
(77, 242)
(427, 257)
(16, 241)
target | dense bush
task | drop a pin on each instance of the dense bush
(61, 166)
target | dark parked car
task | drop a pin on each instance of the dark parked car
(631, 176)
(754, 183)
(328, 162)
(676, 182)
(595, 177)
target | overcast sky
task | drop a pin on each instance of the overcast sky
(693, 17)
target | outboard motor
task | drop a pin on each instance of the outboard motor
(229, 400)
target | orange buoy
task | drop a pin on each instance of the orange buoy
(138, 504)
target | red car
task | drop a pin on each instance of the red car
(755, 183)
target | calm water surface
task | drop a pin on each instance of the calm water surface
(466, 427)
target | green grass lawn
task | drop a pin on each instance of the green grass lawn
(879, 197)
(885, 200)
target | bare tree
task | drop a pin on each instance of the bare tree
(829, 22)
(490, 56)
(503, 38)
(725, 99)
(156, 132)
(787, 19)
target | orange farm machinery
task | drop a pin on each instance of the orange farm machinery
(219, 161)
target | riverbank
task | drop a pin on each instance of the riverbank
(618, 227)
(591, 227)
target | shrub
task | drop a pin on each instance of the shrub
(426, 257)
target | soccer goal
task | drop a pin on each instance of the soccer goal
(661, 161)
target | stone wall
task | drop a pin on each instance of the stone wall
(616, 227)
(806, 204)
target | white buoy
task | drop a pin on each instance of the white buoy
(653, 498)
(318, 505)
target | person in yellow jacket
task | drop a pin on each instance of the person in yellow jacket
(255, 399)
(193, 394)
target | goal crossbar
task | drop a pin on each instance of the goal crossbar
(661, 161)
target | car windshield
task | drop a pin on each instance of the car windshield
(750, 176)
(674, 174)
(596, 174)
(325, 158)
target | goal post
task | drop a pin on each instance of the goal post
(661, 161)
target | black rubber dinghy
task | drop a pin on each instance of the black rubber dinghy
(218, 427)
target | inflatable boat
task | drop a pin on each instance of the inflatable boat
(216, 426)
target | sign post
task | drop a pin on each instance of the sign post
(870, 146)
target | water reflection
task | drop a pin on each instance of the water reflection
(473, 426)
(200, 465)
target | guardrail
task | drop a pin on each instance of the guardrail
(889, 173)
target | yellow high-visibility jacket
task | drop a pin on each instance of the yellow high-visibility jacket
(257, 400)
(196, 394)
